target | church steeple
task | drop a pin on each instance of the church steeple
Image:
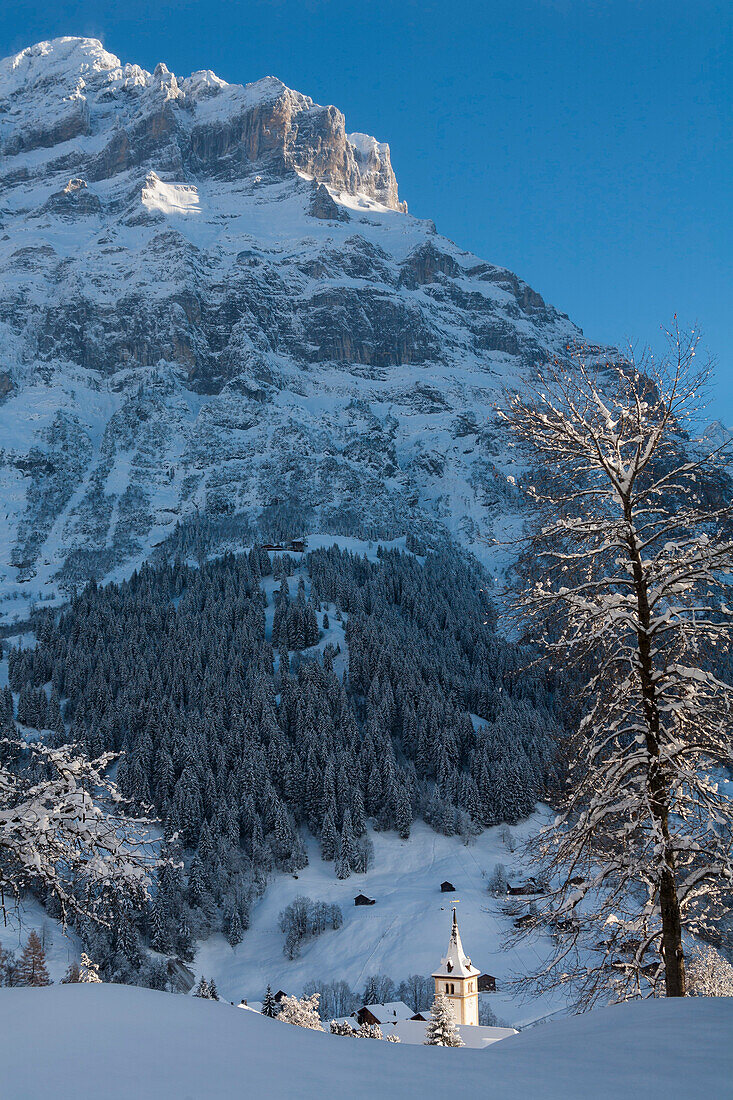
(457, 979)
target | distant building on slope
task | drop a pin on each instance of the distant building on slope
(457, 980)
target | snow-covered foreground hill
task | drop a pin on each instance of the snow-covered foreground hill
(404, 933)
(120, 1042)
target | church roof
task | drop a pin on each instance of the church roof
(456, 963)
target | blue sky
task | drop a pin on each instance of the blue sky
(585, 145)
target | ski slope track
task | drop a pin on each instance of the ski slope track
(215, 309)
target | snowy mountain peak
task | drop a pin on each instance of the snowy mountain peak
(203, 83)
(57, 61)
(71, 89)
(214, 310)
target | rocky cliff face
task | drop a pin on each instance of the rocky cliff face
(125, 118)
(215, 310)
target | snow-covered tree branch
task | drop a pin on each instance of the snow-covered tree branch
(710, 975)
(302, 1012)
(627, 578)
(62, 828)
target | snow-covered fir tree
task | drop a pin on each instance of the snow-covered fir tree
(206, 989)
(270, 1006)
(441, 1030)
(235, 932)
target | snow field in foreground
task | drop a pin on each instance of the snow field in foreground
(83, 1042)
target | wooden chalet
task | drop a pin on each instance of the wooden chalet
(486, 983)
(447, 887)
(362, 899)
(528, 887)
(390, 1013)
(296, 546)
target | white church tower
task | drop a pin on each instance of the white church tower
(457, 980)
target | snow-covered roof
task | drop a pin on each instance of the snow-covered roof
(477, 1036)
(391, 1011)
(252, 1006)
(456, 963)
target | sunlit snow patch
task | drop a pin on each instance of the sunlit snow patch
(170, 198)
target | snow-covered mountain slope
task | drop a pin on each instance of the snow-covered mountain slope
(213, 304)
(120, 1042)
(403, 933)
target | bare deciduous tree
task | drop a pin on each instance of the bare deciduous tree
(627, 588)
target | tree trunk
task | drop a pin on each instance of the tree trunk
(674, 959)
(672, 953)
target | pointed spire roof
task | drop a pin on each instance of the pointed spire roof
(456, 963)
